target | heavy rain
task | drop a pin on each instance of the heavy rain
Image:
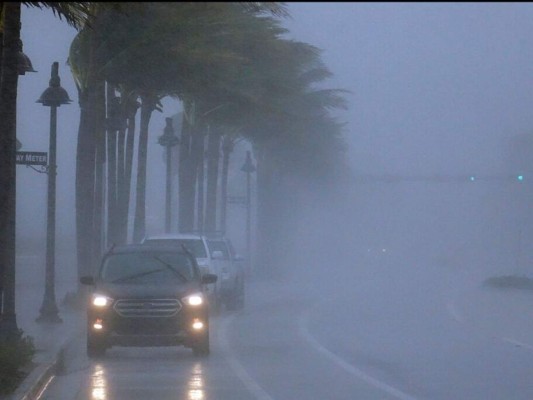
(357, 176)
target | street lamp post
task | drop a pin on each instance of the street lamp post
(248, 167)
(168, 140)
(53, 97)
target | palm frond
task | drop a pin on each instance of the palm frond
(76, 14)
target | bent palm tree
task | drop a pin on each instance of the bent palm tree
(76, 15)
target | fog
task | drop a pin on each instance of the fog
(436, 87)
(436, 90)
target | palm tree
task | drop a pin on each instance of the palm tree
(112, 29)
(113, 122)
(8, 102)
(287, 110)
(76, 15)
(241, 29)
(85, 64)
(149, 103)
(186, 44)
(128, 110)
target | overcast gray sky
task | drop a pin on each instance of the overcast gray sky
(437, 88)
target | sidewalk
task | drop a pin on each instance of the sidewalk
(50, 339)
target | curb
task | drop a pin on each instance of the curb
(35, 383)
(33, 386)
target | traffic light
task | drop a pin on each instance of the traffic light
(519, 177)
(472, 178)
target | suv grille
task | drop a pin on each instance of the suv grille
(147, 308)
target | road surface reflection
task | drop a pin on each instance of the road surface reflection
(196, 383)
(99, 383)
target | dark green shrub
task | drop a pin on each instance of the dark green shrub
(15, 354)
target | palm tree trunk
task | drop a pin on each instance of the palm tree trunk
(122, 215)
(130, 141)
(265, 213)
(185, 173)
(130, 109)
(98, 234)
(213, 160)
(147, 107)
(111, 168)
(88, 175)
(227, 149)
(200, 184)
(196, 161)
(8, 133)
(1, 48)
(85, 175)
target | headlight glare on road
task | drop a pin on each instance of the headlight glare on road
(195, 299)
(101, 300)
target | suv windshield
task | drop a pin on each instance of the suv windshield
(147, 267)
(195, 246)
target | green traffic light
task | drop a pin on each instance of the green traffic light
(520, 177)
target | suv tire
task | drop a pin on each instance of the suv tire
(95, 347)
(201, 347)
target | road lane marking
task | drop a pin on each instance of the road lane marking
(43, 389)
(304, 332)
(517, 343)
(253, 387)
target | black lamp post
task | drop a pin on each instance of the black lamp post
(53, 97)
(248, 167)
(168, 140)
(24, 63)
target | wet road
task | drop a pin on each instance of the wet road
(374, 334)
(388, 307)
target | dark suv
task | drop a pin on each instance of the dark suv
(148, 296)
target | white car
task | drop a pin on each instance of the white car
(230, 283)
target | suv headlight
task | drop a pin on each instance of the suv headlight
(195, 299)
(99, 300)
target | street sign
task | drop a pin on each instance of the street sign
(32, 158)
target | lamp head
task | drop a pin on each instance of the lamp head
(54, 95)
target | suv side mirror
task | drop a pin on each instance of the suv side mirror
(209, 278)
(217, 255)
(87, 280)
